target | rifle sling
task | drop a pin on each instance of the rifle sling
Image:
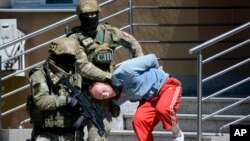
(52, 87)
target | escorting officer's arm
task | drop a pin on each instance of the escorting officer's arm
(128, 41)
(88, 69)
(40, 91)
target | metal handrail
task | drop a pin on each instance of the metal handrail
(200, 81)
(27, 86)
(46, 43)
(13, 110)
(15, 91)
(52, 26)
(227, 88)
(39, 46)
(131, 27)
(32, 49)
(226, 51)
(20, 71)
(225, 108)
(191, 7)
(38, 32)
(234, 122)
(226, 70)
(23, 122)
(44, 10)
(219, 38)
(186, 24)
(115, 14)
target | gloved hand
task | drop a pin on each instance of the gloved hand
(117, 85)
(114, 109)
(71, 101)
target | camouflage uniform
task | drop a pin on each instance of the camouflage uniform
(96, 61)
(50, 115)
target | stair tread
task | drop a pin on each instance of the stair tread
(195, 115)
(215, 98)
(128, 132)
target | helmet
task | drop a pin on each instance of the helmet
(87, 6)
(64, 45)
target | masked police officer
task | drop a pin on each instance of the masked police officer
(50, 107)
(96, 60)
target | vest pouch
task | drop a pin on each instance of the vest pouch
(36, 116)
(103, 54)
(49, 119)
(59, 119)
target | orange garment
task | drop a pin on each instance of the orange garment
(161, 108)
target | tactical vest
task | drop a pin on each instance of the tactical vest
(100, 51)
(62, 117)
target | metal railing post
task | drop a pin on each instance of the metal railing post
(66, 30)
(199, 97)
(0, 92)
(130, 16)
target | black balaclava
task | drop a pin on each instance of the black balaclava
(89, 24)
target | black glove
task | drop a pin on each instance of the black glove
(114, 109)
(117, 83)
(71, 101)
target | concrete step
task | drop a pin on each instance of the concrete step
(188, 123)
(187, 117)
(118, 135)
(15, 134)
(188, 105)
(129, 135)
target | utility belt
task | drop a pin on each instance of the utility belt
(55, 130)
(37, 130)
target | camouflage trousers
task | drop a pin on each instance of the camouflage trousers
(62, 137)
(93, 131)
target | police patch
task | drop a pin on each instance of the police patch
(87, 42)
(52, 47)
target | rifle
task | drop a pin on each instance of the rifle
(89, 111)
